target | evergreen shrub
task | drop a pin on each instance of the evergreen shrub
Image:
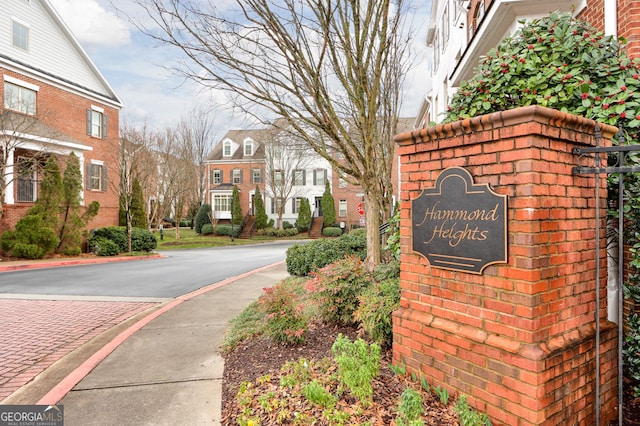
(332, 231)
(207, 229)
(31, 238)
(226, 230)
(203, 217)
(102, 246)
(143, 240)
(117, 234)
(305, 258)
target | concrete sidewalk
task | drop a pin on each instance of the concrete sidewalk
(166, 368)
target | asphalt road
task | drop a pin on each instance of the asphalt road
(176, 273)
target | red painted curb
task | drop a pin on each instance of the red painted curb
(68, 383)
(72, 262)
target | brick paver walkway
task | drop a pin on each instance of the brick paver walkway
(36, 333)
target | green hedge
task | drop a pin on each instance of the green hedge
(304, 258)
(141, 240)
(226, 230)
(206, 229)
(103, 246)
(332, 231)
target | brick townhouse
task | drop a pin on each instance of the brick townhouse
(55, 102)
(459, 32)
(243, 158)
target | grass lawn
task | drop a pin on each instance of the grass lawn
(189, 239)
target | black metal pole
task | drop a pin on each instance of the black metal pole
(597, 184)
(232, 218)
(620, 286)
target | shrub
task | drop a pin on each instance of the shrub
(117, 234)
(337, 287)
(358, 365)
(286, 320)
(358, 231)
(143, 240)
(375, 307)
(304, 215)
(332, 231)
(305, 258)
(226, 230)
(207, 229)
(275, 232)
(328, 206)
(31, 238)
(287, 225)
(258, 208)
(103, 246)
(203, 217)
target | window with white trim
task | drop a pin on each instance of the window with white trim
(20, 98)
(299, 177)
(226, 149)
(248, 147)
(295, 205)
(278, 177)
(216, 176)
(19, 35)
(96, 122)
(319, 176)
(96, 176)
(236, 176)
(256, 176)
(342, 208)
(222, 202)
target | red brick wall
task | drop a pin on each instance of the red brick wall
(518, 339)
(65, 112)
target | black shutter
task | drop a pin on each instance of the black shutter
(104, 179)
(104, 126)
(89, 122)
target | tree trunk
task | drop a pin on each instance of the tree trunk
(372, 220)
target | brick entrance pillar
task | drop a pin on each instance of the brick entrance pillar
(518, 340)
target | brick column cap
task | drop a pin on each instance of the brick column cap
(512, 117)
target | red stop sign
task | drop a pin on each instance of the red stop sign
(361, 209)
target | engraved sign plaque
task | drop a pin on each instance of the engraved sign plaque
(459, 225)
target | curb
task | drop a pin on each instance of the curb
(72, 379)
(13, 267)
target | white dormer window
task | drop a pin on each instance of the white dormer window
(226, 149)
(19, 34)
(248, 147)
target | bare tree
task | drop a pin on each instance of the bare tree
(196, 131)
(177, 175)
(287, 157)
(332, 66)
(135, 163)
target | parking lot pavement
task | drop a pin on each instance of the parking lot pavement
(34, 334)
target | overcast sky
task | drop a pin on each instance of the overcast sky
(132, 64)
